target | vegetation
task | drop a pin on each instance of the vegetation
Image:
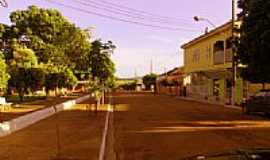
(42, 49)
(4, 76)
(253, 45)
(130, 86)
(102, 67)
(149, 80)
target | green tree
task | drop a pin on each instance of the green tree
(24, 58)
(51, 82)
(102, 67)
(35, 78)
(253, 45)
(53, 38)
(65, 79)
(27, 80)
(26, 76)
(149, 80)
(4, 76)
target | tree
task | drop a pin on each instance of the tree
(70, 79)
(51, 82)
(65, 79)
(24, 58)
(100, 62)
(128, 86)
(149, 80)
(35, 78)
(53, 38)
(26, 76)
(27, 80)
(253, 45)
(4, 76)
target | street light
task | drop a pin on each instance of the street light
(3, 3)
(197, 19)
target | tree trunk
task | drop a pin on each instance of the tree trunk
(21, 96)
(263, 86)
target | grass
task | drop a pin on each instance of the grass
(27, 98)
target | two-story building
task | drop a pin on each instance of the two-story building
(208, 67)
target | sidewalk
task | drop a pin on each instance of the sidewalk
(210, 102)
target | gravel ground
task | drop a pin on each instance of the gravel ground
(148, 127)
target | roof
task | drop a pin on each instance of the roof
(175, 71)
(212, 32)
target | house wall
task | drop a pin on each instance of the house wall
(200, 55)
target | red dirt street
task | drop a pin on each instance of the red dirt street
(148, 127)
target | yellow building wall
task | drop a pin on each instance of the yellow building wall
(206, 49)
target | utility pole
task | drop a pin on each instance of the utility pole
(234, 64)
(135, 74)
(151, 66)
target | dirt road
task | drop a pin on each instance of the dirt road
(143, 127)
(148, 127)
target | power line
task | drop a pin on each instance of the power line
(143, 12)
(138, 14)
(117, 11)
(121, 19)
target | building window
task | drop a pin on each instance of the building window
(219, 46)
(196, 56)
(228, 54)
(219, 52)
(229, 43)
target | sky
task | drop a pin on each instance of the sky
(138, 45)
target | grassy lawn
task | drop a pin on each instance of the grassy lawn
(16, 99)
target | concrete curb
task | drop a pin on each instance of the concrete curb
(24, 121)
(102, 151)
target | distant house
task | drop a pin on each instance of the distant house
(137, 82)
(171, 82)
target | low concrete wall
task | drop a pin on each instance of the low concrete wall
(21, 122)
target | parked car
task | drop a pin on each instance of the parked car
(258, 103)
(253, 154)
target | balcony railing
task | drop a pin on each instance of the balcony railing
(228, 55)
(219, 57)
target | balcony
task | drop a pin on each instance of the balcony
(219, 57)
(228, 55)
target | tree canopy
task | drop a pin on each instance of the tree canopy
(149, 80)
(253, 45)
(53, 38)
(4, 76)
(43, 49)
(100, 61)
